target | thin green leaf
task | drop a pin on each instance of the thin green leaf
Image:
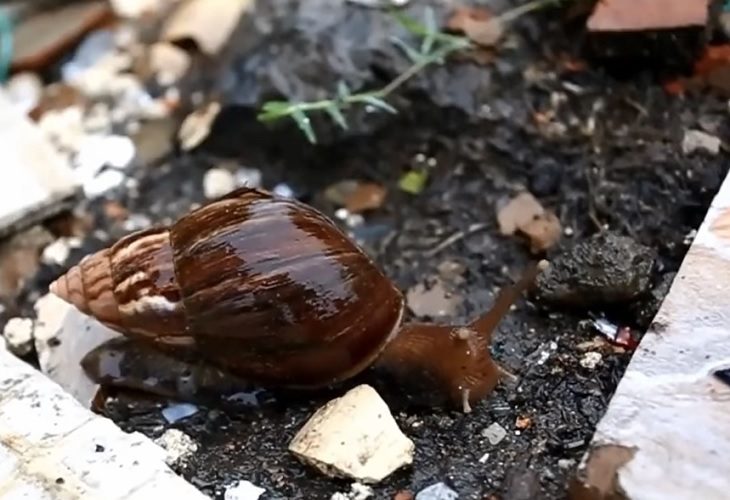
(413, 181)
(378, 103)
(336, 115)
(430, 37)
(276, 107)
(412, 54)
(304, 124)
(410, 24)
(343, 91)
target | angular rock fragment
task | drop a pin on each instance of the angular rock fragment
(354, 436)
(179, 446)
(604, 269)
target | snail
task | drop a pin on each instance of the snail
(270, 291)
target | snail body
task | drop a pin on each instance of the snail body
(270, 290)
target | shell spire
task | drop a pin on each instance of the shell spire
(89, 286)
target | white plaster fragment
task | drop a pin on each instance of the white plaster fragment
(354, 436)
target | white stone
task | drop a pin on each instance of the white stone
(179, 411)
(438, 491)
(354, 436)
(35, 179)
(590, 360)
(57, 252)
(179, 446)
(168, 62)
(63, 336)
(494, 433)
(218, 182)
(243, 490)
(698, 140)
(18, 333)
(25, 90)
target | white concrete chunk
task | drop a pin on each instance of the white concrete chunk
(354, 436)
(178, 445)
(51, 447)
(63, 336)
(666, 431)
(36, 179)
(35, 414)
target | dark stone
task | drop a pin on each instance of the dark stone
(604, 269)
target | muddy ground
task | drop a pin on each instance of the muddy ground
(613, 162)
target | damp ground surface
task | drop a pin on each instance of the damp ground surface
(607, 156)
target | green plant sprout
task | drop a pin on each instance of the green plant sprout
(434, 48)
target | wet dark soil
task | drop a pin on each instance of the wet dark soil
(609, 160)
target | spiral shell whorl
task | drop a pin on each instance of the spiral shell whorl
(89, 287)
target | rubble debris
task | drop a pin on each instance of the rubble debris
(495, 433)
(57, 252)
(603, 269)
(621, 336)
(357, 492)
(135, 9)
(18, 334)
(354, 436)
(60, 347)
(196, 126)
(645, 29)
(178, 445)
(250, 177)
(45, 35)
(598, 476)
(433, 300)
(356, 196)
(42, 183)
(243, 490)
(590, 360)
(20, 258)
(438, 491)
(697, 140)
(168, 63)
(525, 215)
(523, 422)
(179, 411)
(25, 90)
(209, 23)
(217, 182)
(478, 24)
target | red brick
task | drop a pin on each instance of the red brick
(643, 15)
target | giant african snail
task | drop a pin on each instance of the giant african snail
(271, 290)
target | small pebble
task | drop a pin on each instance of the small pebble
(566, 463)
(218, 182)
(179, 446)
(179, 411)
(243, 490)
(698, 140)
(590, 360)
(357, 491)
(18, 334)
(283, 190)
(56, 253)
(105, 181)
(249, 177)
(24, 90)
(438, 491)
(494, 433)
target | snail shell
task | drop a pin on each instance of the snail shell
(265, 287)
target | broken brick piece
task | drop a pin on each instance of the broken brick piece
(645, 15)
(667, 33)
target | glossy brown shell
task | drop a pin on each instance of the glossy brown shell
(265, 286)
